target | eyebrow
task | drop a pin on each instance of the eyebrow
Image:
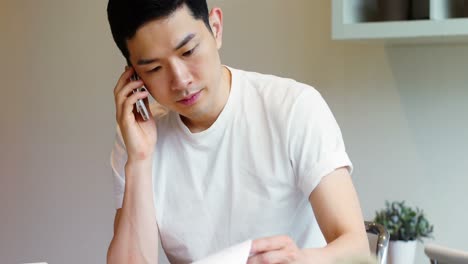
(180, 45)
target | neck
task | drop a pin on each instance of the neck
(204, 122)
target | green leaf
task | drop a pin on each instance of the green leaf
(403, 222)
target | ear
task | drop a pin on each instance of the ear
(216, 24)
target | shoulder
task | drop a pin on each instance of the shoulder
(279, 93)
(266, 82)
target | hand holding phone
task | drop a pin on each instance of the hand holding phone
(139, 136)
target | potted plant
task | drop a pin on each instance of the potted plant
(405, 226)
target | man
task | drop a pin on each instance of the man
(237, 156)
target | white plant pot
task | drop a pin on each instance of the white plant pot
(401, 252)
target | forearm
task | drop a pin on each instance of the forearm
(136, 234)
(345, 246)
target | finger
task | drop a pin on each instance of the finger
(129, 104)
(124, 77)
(270, 244)
(123, 80)
(128, 88)
(125, 92)
(273, 257)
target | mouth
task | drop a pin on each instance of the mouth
(191, 99)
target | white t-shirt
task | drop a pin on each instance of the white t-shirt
(247, 176)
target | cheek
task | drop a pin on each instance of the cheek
(162, 96)
(158, 92)
(203, 66)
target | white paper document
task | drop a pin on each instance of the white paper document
(237, 254)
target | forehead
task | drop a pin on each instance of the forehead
(164, 34)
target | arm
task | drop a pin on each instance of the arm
(338, 214)
(336, 207)
(135, 229)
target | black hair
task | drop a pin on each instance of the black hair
(126, 16)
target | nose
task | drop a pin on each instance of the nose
(181, 76)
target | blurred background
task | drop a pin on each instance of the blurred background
(402, 110)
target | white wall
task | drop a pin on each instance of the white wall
(401, 109)
(57, 123)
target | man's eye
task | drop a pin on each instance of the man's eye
(155, 69)
(190, 52)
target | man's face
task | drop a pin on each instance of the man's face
(177, 58)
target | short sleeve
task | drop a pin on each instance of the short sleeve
(315, 142)
(118, 159)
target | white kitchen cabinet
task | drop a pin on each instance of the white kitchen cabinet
(361, 20)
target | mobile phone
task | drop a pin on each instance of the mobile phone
(140, 105)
